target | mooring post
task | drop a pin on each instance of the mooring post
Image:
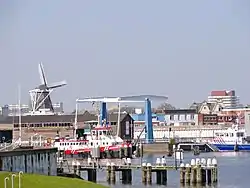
(203, 171)
(193, 171)
(209, 171)
(74, 167)
(113, 174)
(187, 173)
(158, 172)
(182, 173)
(198, 171)
(164, 173)
(129, 172)
(144, 173)
(149, 173)
(215, 169)
(108, 172)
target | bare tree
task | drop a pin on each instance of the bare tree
(166, 106)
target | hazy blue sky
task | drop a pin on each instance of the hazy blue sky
(182, 49)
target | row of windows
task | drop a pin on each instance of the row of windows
(44, 125)
(80, 143)
(172, 117)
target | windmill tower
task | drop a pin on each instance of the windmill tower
(40, 97)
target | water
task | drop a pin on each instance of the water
(234, 170)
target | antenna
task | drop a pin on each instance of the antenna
(20, 116)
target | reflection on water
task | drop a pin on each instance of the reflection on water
(234, 170)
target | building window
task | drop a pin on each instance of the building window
(171, 117)
(192, 116)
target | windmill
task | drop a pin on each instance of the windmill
(40, 96)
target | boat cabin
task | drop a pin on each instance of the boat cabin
(99, 131)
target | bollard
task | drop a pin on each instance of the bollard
(158, 162)
(149, 173)
(215, 169)
(203, 162)
(144, 173)
(163, 161)
(193, 172)
(187, 173)
(209, 171)
(108, 172)
(113, 174)
(158, 172)
(182, 173)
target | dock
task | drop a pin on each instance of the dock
(198, 171)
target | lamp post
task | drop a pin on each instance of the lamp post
(19, 178)
(5, 181)
(12, 180)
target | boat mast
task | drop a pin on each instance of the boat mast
(118, 119)
(75, 127)
(20, 111)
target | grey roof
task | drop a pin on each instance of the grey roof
(57, 118)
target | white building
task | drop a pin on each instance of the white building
(227, 99)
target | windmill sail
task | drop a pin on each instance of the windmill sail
(40, 97)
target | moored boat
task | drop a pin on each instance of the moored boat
(231, 139)
(100, 137)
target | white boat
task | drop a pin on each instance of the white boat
(100, 136)
(231, 139)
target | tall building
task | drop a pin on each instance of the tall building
(227, 99)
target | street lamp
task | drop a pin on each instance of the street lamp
(5, 181)
(19, 178)
(12, 180)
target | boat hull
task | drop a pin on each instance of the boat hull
(231, 147)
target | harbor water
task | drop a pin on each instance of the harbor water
(234, 170)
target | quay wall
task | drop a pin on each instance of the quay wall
(38, 161)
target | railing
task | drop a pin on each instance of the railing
(177, 140)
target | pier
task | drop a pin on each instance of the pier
(197, 172)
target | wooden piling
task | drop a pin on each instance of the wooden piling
(214, 170)
(209, 175)
(187, 174)
(144, 173)
(193, 172)
(198, 174)
(182, 173)
(164, 177)
(108, 172)
(113, 174)
(158, 177)
(149, 173)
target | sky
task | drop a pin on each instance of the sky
(180, 49)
